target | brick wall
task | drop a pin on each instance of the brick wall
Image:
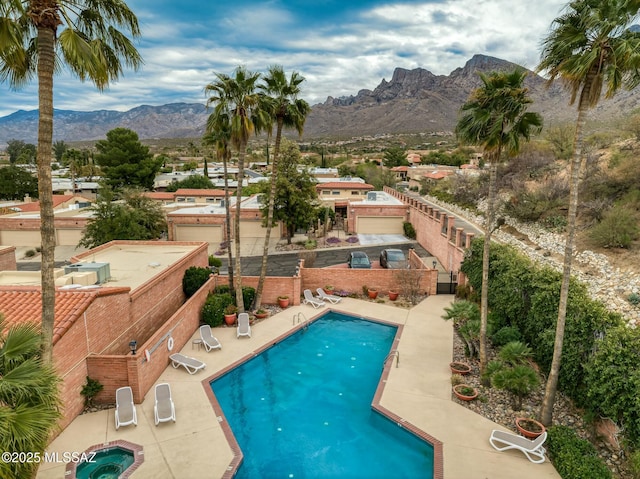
(8, 258)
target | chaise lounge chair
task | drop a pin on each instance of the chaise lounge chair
(502, 441)
(332, 298)
(243, 329)
(164, 410)
(125, 409)
(313, 301)
(192, 365)
(208, 339)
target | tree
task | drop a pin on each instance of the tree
(196, 182)
(395, 156)
(59, 148)
(219, 134)
(27, 155)
(296, 199)
(125, 161)
(29, 401)
(137, 218)
(496, 118)
(15, 184)
(40, 37)
(590, 47)
(280, 101)
(14, 148)
(236, 104)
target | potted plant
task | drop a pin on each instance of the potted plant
(261, 313)
(458, 367)
(283, 301)
(529, 427)
(328, 289)
(393, 295)
(372, 292)
(464, 392)
(230, 314)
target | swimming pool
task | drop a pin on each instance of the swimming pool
(302, 408)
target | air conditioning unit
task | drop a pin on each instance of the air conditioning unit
(371, 196)
(102, 270)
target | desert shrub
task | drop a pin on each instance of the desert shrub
(90, 390)
(248, 295)
(409, 230)
(30, 253)
(634, 298)
(193, 279)
(506, 335)
(221, 288)
(215, 262)
(618, 228)
(574, 457)
(213, 309)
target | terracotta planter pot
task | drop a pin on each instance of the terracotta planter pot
(373, 294)
(230, 319)
(283, 302)
(328, 290)
(529, 427)
(460, 368)
(261, 315)
(458, 391)
(393, 295)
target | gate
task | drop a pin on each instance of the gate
(447, 283)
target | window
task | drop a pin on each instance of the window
(191, 199)
(180, 199)
(355, 193)
(335, 192)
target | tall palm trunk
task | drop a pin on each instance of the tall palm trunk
(484, 295)
(227, 210)
(236, 227)
(546, 412)
(46, 57)
(272, 200)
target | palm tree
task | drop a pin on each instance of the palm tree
(29, 404)
(219, 134)
(590, 47)
(281, 102)
(496, 118)
(38, 37)
(235, 98)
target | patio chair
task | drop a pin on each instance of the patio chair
(164, 410)
(332, 298)
(192, 365)
(208, 339)
(125, 409)
(313, 301)
(502, 441)
(243, 329)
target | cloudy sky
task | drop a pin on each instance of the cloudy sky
(339, 46)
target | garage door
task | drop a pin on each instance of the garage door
(20, 238)
(68, 237)
(208, 233)
(379, 225)
(253, 229)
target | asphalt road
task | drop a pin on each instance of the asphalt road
(284, 264)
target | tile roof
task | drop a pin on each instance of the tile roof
(21, 304)
(158, 195)
(199, 192)
(344, 185)
(35, 205)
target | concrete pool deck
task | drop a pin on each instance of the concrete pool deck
(418, 391)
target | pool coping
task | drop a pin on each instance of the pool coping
(138, 457)
(438, 456)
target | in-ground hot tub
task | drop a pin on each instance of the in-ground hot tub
(112, 460)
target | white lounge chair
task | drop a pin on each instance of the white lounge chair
(502, 441)
(125, 409)
(208, 339)
(332, 298)
(164, 410)
(244, 328)
(313, 301)
(192, 365)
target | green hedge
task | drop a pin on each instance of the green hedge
(574, 457)
(213, 309)
(193, 279)
(526, 295)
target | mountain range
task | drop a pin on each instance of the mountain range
(412, 101)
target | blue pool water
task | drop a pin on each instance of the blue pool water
(106, 464)
(302, 408)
